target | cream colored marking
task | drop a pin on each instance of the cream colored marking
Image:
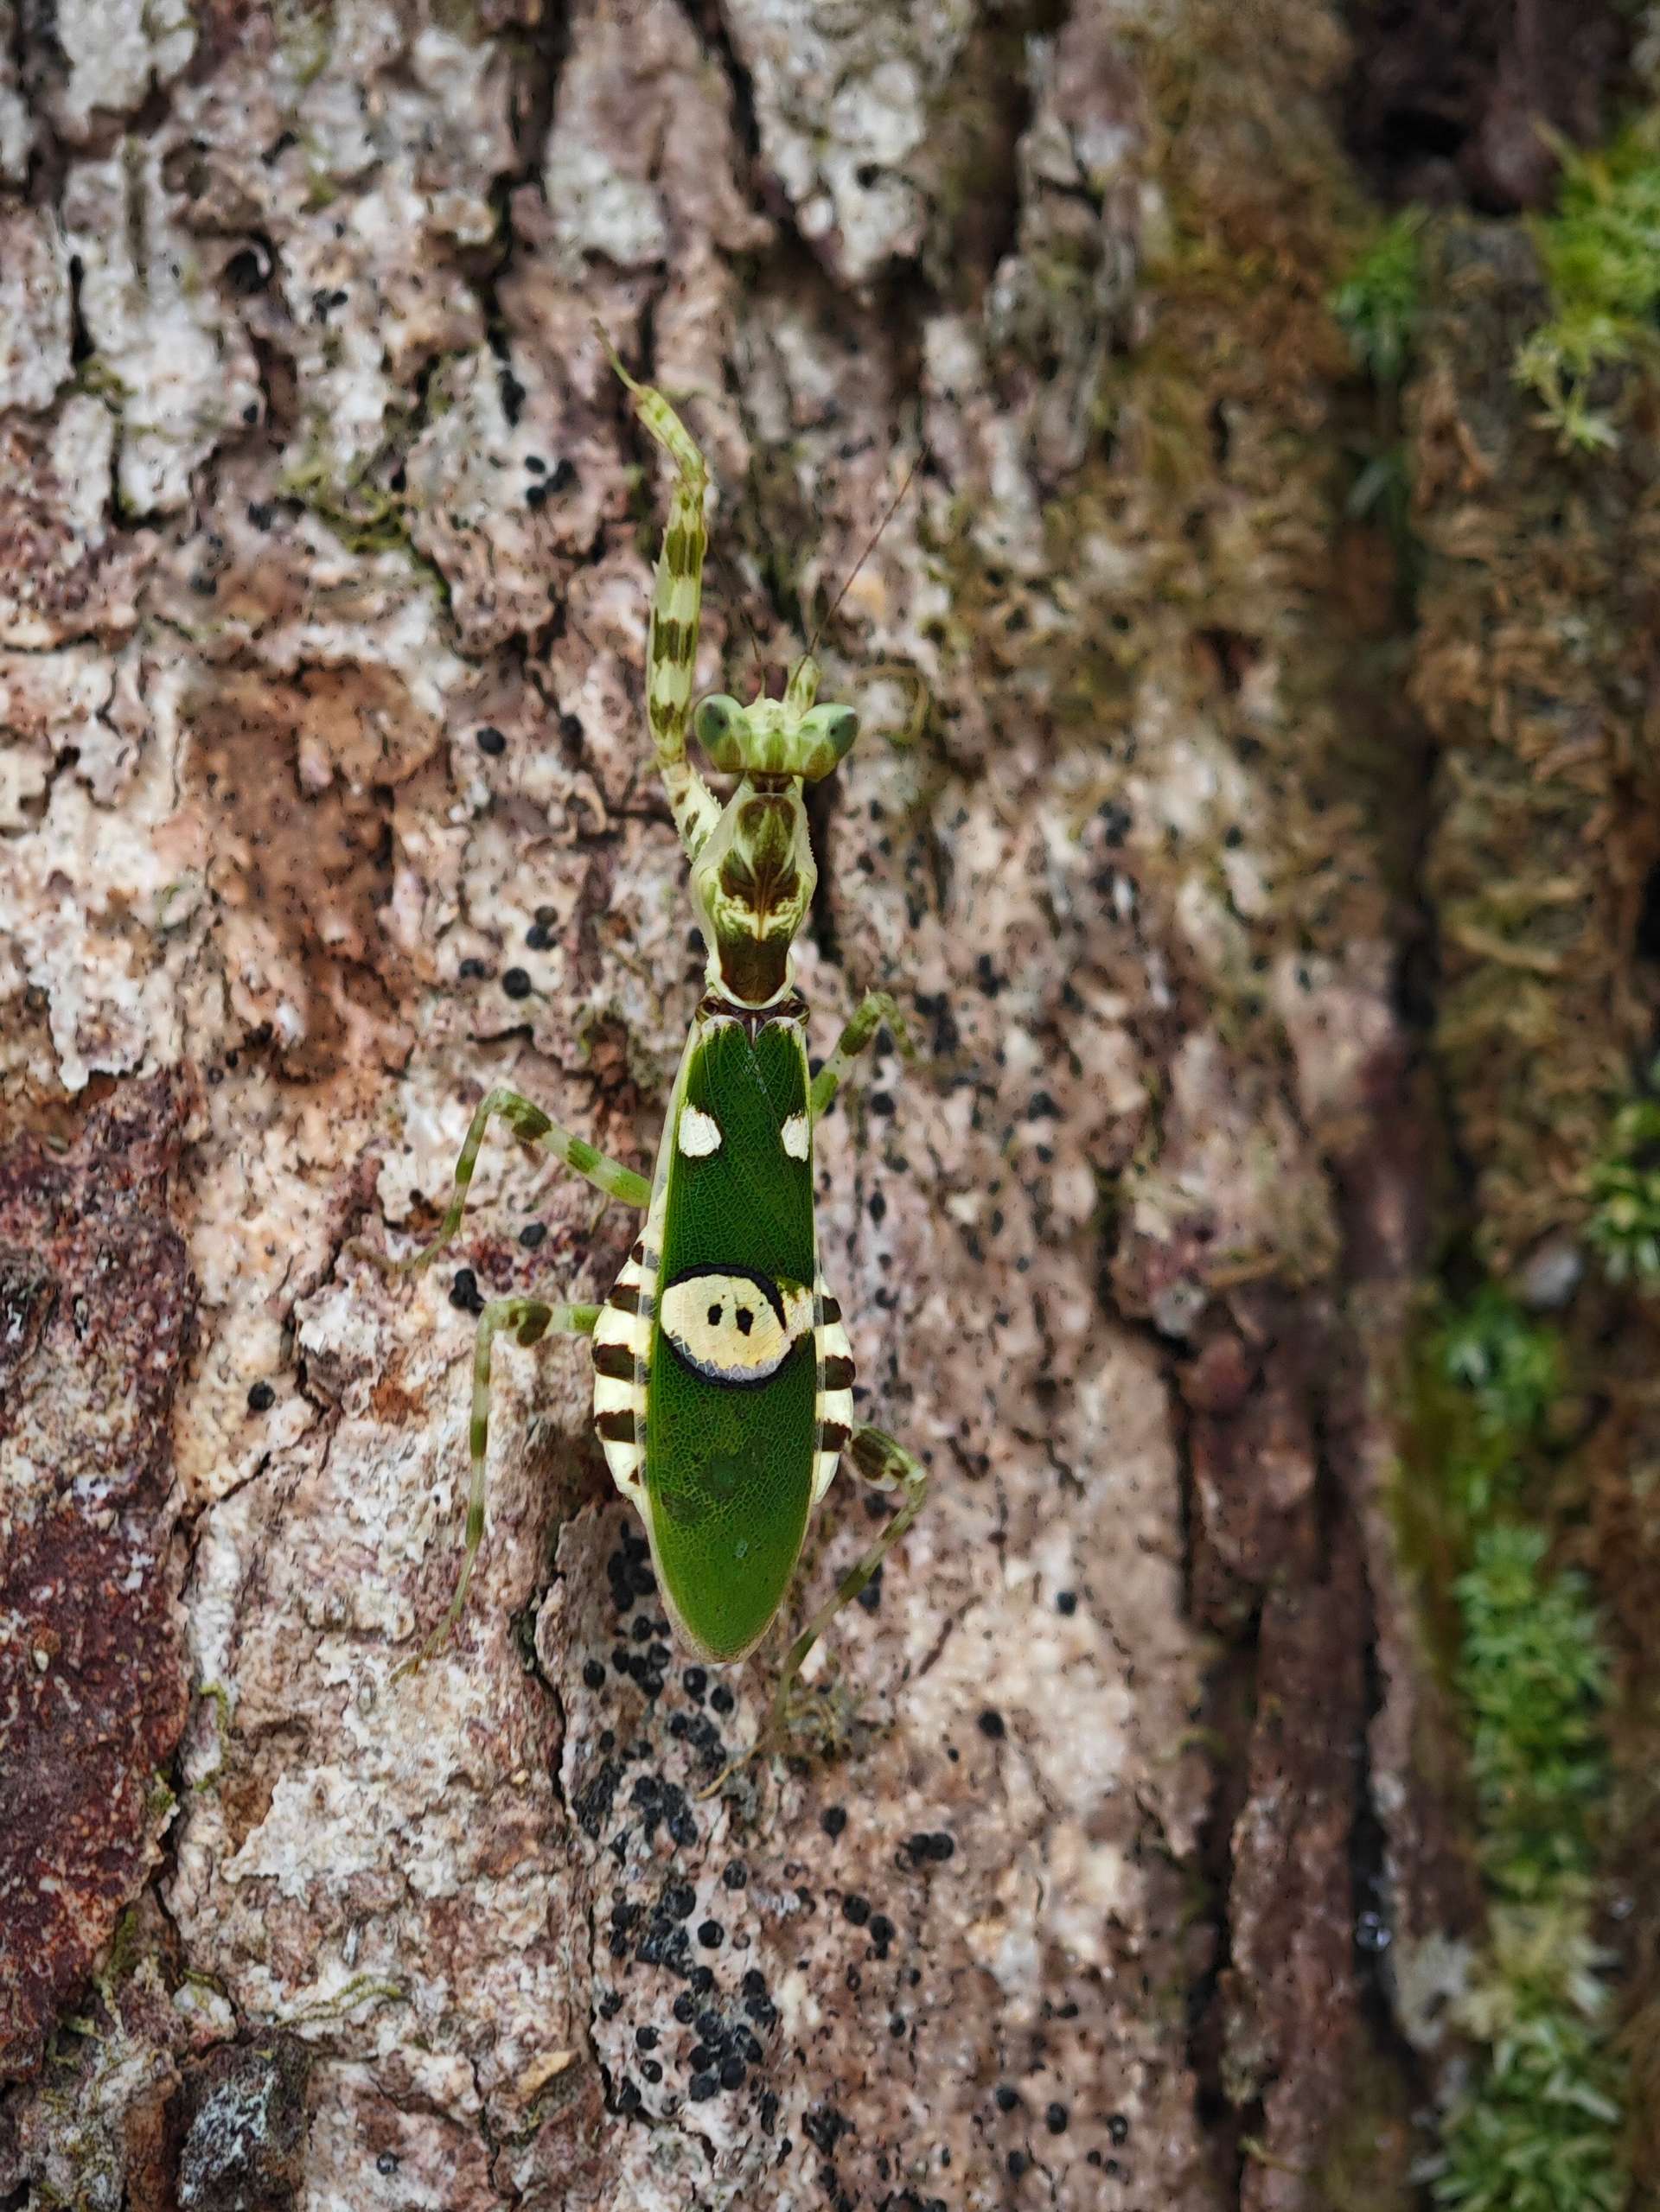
(796, 1132)
(612, 1394)
(834, 1407)
(727, 1327)
(698, 1133)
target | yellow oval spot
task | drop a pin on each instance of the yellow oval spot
(731, 1327)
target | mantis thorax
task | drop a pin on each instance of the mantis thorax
(753, 877)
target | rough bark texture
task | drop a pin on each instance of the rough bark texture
(312, 477)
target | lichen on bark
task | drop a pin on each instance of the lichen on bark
(324, 551)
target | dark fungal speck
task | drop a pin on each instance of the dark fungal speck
(711, 1935)
(721, 1699)
(1066, 1601)
(1007, 2098)
(464, 1293)
(1017, 2164)
(991, 1723)
(702, 2087)
(645, 2038)
(702, 1980)
(247, 271)
(755, 1983)
(491, 741)
(855, 1909)
(1117, 2127)
(536, 938)
(737, 1875)
(472, 971)
(696, 1681)
(594, 1675)
(732, 2072)
(516, 984)
(833, 1820)
(261, 1397)
(1055, 2119)
(684, 2009)
(533, 1234)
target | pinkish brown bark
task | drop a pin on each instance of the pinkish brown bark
(316, 478)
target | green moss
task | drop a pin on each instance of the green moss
(364, 518)
(1520, 1645)
(1539, 2129)
(1624, 1224)
(1601, 251)
(1381, 302)
(1534, 1677)
(1510, 1365)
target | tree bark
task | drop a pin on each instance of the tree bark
(314, 477)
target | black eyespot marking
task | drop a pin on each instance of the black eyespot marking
(729, 1324)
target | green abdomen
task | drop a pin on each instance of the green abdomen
(730, 1428)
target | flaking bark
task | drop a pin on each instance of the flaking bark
(324, 549)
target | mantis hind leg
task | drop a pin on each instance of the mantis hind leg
(529, 1319)
(886, 1465)
(532, 1126)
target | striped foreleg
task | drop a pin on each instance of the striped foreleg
(529, 1319)
(676, 610)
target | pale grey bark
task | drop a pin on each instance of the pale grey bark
(313, 471)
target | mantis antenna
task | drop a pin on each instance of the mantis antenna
(894, 506)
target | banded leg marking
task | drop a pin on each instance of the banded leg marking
(622, 1347)
(530, 1320)
(532, 1126)
(834, 1406)
(676, 609)
(876, 1010)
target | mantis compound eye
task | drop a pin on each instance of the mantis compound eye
(719, 723)
(829, 732)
